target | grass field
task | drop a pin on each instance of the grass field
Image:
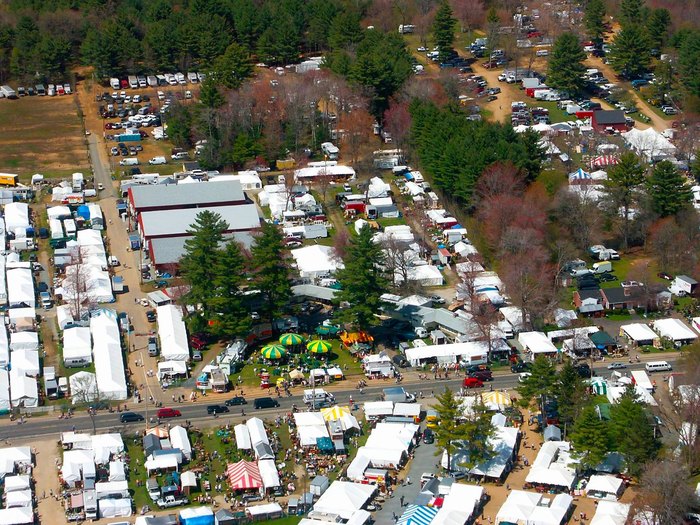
(41, 135)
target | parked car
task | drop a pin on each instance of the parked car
(130, 417)
(236, 401)
(265, 402)
(216, 409)
(400, 361)
(151, 316)
(482, 375)
(664, 275)
(197, 341)
(428, 436)
(164, 413)
(436, 299)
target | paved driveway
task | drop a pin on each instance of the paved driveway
(424, 460)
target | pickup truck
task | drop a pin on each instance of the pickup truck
(171, 501)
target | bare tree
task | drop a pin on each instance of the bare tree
(357, 124)
(78, 284)
(322, 183)
(399, 261)
(84, 389)
(470, 13)
(500, 178)
(579, 213)
(665, 495)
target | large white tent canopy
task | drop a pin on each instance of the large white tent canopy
(20, 287)
(344, 498)
(674, 329)
(316, 261)
(171, 331)
(107, 354)
(77, 346)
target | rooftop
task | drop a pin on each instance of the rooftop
(169, 250)
(171, 223)
(605, 117)
(185, 195)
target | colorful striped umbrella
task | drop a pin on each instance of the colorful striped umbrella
(319, 346)
(273, 351)
(291, 339)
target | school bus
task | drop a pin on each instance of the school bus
(9, 179)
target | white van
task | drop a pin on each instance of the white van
(602, 267)
(318, 396)
(542, 53)
(130, 161)
(114, 82)
(157, 160)
(658, 366)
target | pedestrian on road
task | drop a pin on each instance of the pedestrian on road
(402, 501)
(393, 515)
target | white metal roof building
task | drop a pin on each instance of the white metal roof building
(77, 347)
(176, 223)
(107, 355)
(174, 345)
(177, 196)
(674, 329)
(639, 333)
(536, 343)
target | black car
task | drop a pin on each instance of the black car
(400, 361)
(265, 402)
(42, 287)
(235, 401)
(428, 436)
(583, 371)
(216, 409)
(130, 417)
(151, 315)
(520, 367)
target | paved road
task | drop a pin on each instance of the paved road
(196, 412)
(99, 169)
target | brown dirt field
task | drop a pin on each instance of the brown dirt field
(42, 135)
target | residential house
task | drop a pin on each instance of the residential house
(619, 297)
(589, 302)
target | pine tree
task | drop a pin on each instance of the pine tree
(201, 255)
(623, 181)
(232, 68)
(689, 65)
(475, 434)
(362, 281)
(593, 18)
(539, 383)
(449, 429)
(657, 27)
(209, 94)
(631, 432)
(271, 270)
(668, 190)
(566, 69)
(229, 310)
(631, 12)
(570, 393)
(630, 54)
(444, 30)
(590, 438)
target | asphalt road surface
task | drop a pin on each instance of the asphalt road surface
(103, 421)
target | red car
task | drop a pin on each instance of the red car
(472, 382)
(197, 342)
(164, 413)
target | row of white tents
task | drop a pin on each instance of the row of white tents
(15, 471)
(252, 435)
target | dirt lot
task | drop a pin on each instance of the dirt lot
(87, 90)
(42, 135)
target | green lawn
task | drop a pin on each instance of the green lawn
(397, 221)
(555, 114)
(552, 180)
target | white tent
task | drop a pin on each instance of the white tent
(471, 353)
(310, 427)
(25, 361)
(12, 456)
(377, 188)
(242, 437)
(171, 368)
(268, 473)
(316, 261)
(179, 439)
(378, 408)
(503, 443)
(83, 387)
(19, 498)
(77, 347)
(17, 483)
(649, 143)
(424, 275)
(64, 316)
(164, 462)
(458, 505)
(16, 216)
(4, 390)
(344, 498)
(605, 485)
(16, 516)
(639, 333)
(257, 431)
(24, 341)
(674, 329)
(551, 466)
(106, 445)
(611, 513)
(107, 355)
(112, 489)
(382, 457)
(115, 508)
(173, 336)
(536, 343)
(23, 390)
(399, 233)
(116, 471)
(59, 212)
(527, 508)
(20, 288)
(77, 465)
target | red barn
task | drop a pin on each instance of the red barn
(606, 120)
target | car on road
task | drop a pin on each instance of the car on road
(235, 401)
(616, 366)
(265, 402)
(130, 417)
(472, 382)
(583, 371)
(481, 375)
(436, 299)
(523, 376)
(428, 436)
(216, 409)
(164, 413)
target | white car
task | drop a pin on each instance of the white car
(523, 376)
(502, 77)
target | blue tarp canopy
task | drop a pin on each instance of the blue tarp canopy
(325, 444)
(417, 515)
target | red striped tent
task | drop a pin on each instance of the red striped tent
(604, 160)
(244, 475)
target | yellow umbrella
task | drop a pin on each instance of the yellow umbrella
(319, 346)
(334, 413)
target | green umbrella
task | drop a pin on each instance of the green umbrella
(273, 351)
(319, 346)
(291, 339)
